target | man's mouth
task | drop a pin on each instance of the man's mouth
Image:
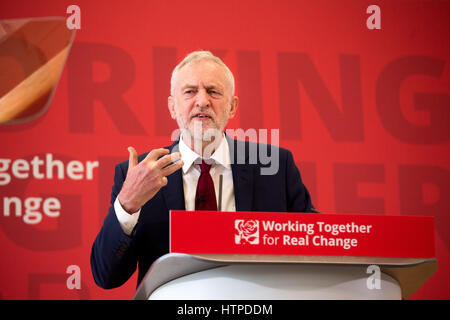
(201, 116)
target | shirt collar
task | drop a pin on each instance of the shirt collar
(220, 156)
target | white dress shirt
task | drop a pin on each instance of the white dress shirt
(190, 173)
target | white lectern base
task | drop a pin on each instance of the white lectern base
(278, 281)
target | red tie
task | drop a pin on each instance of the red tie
(205, 198)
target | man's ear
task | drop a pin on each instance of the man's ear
(233, 106)
(171, 105)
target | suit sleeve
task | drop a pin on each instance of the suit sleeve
(298, 197)
(113, 254)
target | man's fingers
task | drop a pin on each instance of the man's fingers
(155, 154)
(133, 158)
(164, 161)
(172, 168)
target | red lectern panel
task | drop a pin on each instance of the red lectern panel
(270, 233)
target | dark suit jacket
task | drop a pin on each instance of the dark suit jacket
(115, 255)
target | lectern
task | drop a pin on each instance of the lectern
(333, 257)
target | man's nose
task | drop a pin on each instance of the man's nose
(202, 99)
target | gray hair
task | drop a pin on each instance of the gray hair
(197, 56)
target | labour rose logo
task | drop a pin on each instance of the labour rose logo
(246, 232)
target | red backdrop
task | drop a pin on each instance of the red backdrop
(365, 113)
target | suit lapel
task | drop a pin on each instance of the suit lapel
(173, 192)
(242, 175)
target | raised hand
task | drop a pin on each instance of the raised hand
(146, 178)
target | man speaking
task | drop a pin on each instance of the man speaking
(204, 169)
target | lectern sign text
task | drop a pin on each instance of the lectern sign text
(301, 234)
